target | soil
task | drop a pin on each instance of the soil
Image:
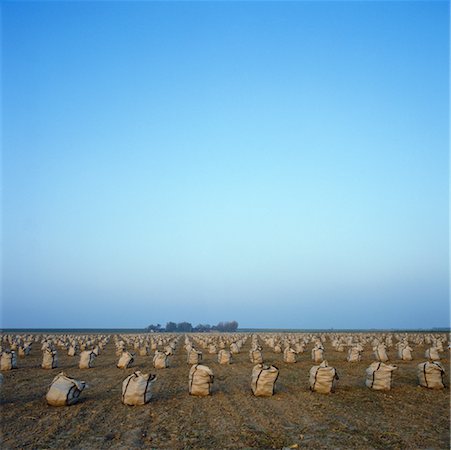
(406, 417)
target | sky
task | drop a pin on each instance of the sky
(282, 164)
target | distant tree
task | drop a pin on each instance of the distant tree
(171, 327)
(184, 327)
(227, 326)
(202, 328)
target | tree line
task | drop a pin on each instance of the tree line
(186, 327)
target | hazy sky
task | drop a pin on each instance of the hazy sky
(283, 164)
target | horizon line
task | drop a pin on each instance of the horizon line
(243, 329)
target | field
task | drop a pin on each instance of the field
(407, 417)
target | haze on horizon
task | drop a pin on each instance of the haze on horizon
(282, 164)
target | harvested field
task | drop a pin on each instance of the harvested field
(407, 417)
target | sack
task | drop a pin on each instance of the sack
(289, 355)
(432, 354)
(160, 360)
(277, 348)
(234, 349)
(200, 380)
(49, 359)
(317, 354)
(64, 390)
(169, 350)
(323, 378)
(224, 357)
(256, 356)
(263, 380)
(8, 360)
(87, 359)
(136, 388)
(194, 357)
(380, 353)
(212, 349)
(126, 360)
(27, 348)
(354, 355)
(405, 353)
(379, 376)
(431, 375)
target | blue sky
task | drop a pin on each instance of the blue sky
(283, 164)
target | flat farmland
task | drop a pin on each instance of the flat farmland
(406, 417)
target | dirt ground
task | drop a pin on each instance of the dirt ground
(407, 417)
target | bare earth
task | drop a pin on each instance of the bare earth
(407, 417)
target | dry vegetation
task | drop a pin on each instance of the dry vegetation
(407, 417)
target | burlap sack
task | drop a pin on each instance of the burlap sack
(136, 388)
(289, 355)
(379, 376)
(46, 344)
(405, 353)
(194, 357)
(126, 360)
(299, 347)
(212, 349)
(49, 359)
(224, 357)
(64, 390)
(431, 374)
(27, 349)
(160, 360)
(323, 378)
(256, 356)
(432, 354)
(380, 353)
(87, 358)
(169, 350)
(200, 380)
(8, 360)
(263, 380)
(354, 355)
(439, 345)
(317, 354)
(234, 349)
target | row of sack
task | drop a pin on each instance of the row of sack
(137, 387)
(8, 359)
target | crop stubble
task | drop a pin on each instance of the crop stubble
(407, 417)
